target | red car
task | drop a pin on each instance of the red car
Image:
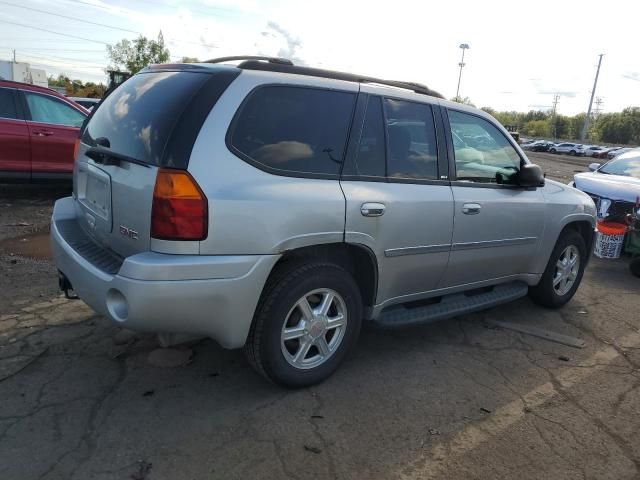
(38, 130)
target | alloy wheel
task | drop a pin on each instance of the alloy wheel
(566, 271)
(314, 328)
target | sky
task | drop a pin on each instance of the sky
(520, 54)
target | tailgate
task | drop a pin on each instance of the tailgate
(113, 203)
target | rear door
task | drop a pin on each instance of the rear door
(54, 126)
(14, 137)
(399, 202)
(149, 122)
(497, 225)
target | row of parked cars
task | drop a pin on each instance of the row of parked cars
(576, 149)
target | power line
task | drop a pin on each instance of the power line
(69, 18)
(55, 33)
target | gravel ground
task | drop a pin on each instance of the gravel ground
(462, 398)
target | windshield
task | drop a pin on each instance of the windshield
(628, 167)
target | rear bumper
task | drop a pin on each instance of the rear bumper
(213, 296)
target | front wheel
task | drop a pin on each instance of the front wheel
(572, 153)
(564, 271)
(307, 320)
(552, 150)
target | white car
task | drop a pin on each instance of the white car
(593, 150)
(569, 148)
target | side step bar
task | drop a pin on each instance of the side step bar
(450, 306)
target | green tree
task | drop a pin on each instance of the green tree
(537, 128)
(463, 100)
(134, 55)
(190, 60)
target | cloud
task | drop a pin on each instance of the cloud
(293, 44)
(632, 76)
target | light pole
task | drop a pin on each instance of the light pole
(463, 46)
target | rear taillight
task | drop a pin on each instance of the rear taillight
(179, 210)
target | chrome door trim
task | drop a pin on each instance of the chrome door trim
(494, 243)
(397, 252)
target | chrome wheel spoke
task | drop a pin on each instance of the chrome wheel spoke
(293, 332)
(323, 347)
(325, 305)
(335, 322)
(557, 279)
(305, 308)
(301, 354)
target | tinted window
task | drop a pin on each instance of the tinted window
(412, 140)
(7, 105)
(47, 109)
(139, 116)
(486, 155)
(295, 129)
(370, 159)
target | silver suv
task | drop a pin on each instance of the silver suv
(277, 207)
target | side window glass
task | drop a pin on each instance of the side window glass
(370, 159)
(49, 110)
(7, 105)
(412, 151)
(295, 129)
(482, 153)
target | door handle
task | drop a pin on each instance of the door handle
(471, 208)
(44, 133)
(372, 209)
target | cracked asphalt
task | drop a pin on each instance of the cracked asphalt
(79, 399)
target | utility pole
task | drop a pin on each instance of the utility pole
(585, 128)
(463, 46)
(598, 109)
(556, 99)
(14, 55)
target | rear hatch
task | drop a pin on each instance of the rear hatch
(149, 122)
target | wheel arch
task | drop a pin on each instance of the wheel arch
(359, 260)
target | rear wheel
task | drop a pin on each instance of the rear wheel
(308, 319)
(564, 271)
(572, 152)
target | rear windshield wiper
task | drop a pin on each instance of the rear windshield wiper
(105, 156)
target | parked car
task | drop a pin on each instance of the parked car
(617, 181)
(86, 102)
(604, 153)
(618, 151)
(593, 150)
(38, 132)
(570, 148)
(233, 202)
(539, 146)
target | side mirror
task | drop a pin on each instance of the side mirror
(530, 176)
(594, 166)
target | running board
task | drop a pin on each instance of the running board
(449, 306)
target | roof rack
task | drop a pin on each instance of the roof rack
(286, 66)
(275, 60)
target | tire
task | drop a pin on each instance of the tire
(572, 153)
(271, 355)
(552, 150)
(545, 293)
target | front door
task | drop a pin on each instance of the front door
(15, 153)
(53, 127)
(497, 225)
(396, 203)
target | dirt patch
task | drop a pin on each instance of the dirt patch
(35, 246)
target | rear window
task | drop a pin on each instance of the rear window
(155, 117)
(296, 130)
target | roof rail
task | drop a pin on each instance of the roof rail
(276, 60)
(289, 67)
